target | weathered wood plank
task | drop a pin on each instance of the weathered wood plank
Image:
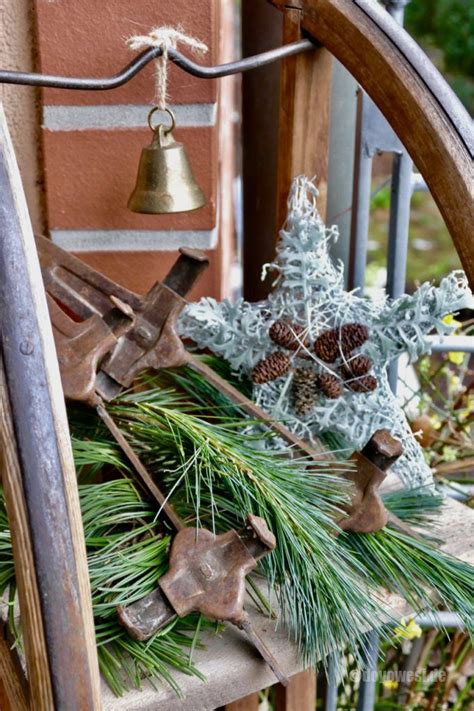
(38, 468)
(305, 104)
(248, 703)
(423, 111)
(234, 671)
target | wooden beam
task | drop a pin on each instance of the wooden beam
(305, 105)
(423, 111)
(38, 471)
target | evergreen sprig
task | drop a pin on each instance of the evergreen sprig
(126, 555)
(217, 467)
(218, 474)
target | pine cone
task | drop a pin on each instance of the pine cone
(271, 367)
(305, 390)
(330, 385)
(363, 385)
(330, 344)
(287, 335)
(353, 335)
(356, 367)
(326, 346)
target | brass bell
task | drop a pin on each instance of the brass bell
(165, 181)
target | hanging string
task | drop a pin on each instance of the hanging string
(165, 37)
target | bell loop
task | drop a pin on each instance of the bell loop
(166, 129)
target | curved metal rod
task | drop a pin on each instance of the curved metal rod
(136, 65)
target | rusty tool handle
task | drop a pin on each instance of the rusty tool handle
(254, 410)
(143, 472)
(186, 270)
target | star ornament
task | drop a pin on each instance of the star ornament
(318, 354)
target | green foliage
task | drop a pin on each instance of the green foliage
(449, 24)
(126, 555)
(219, 473)
(216, 470)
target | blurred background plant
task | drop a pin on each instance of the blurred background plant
(441, 411)
(445, 29)
(429, 671)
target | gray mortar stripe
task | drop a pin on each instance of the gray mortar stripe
(133, 240)
(83, 118)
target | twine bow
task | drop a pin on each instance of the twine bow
(165, 37)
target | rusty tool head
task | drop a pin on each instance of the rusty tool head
(207, 572)
(207, 575)
(103, 328)
(367, 512)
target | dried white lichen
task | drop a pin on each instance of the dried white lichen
(309, 291)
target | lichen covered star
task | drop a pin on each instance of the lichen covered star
(318, 354)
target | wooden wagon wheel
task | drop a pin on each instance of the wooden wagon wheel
(36, 463)
(415, 99)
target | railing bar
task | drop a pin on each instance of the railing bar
(330, 703)
(366, 699)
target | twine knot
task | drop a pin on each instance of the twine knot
(165, 37)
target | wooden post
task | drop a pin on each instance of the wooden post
(303, 148)
(38, 472)
(305, 107)
(248, 703)
(261, 30)
(299, 695)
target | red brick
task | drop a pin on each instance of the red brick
(138, 271)
(90, 175)
(87, 38)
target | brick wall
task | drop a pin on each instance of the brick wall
(92, 140)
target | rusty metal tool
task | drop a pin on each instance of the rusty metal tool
(206, 575)
(119, 336)
(367, 512)
(122, 334)
(144, 329)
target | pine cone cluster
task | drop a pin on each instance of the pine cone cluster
(330, 345)
(305, 390)
(288, 335)
(271, 368)
(330, 385)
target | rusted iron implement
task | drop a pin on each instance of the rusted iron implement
(120, 336)
(207, 575)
